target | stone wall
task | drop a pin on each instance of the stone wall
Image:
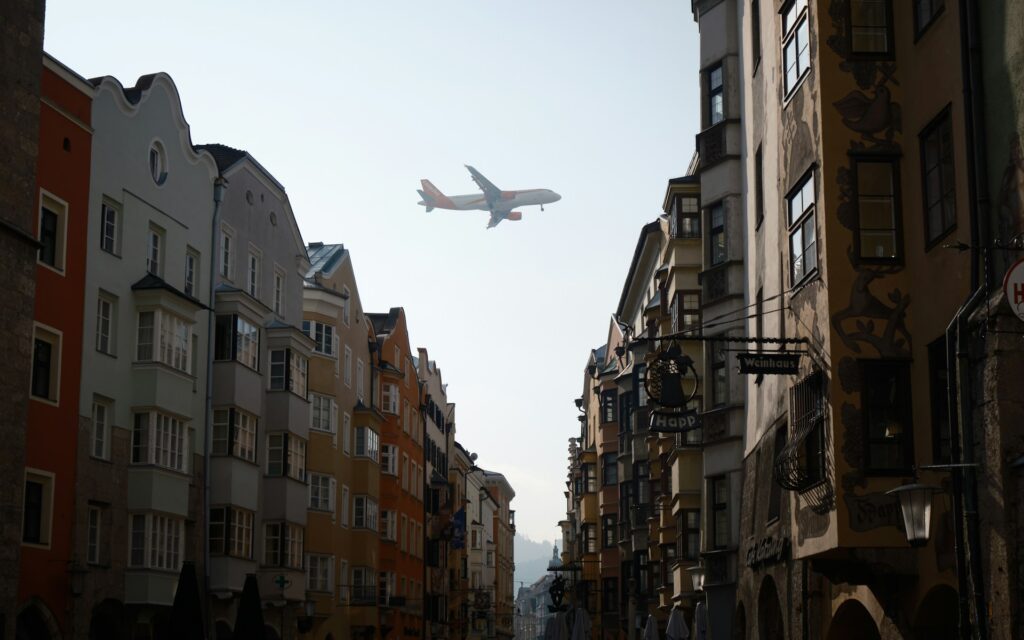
(21, 48)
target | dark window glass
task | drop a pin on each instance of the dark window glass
(690, 311)
(869, 26)
(808, 411)
(224, 338)
(720, 512)
(42, 357)
(686, 221)
(885, 407)
(609, 595)
(609, 524)
(688, 534)
(938, 178)
(796, 52)
(589, 478)
(758, 187)
(775, 491)
(925, 11)
(643, 577)
(717, 239)
(609, 469)
(939, 385)
(803, 235)
(877, 209)
(32, 530)
(716, 95)
(608, 406)
(48, 237)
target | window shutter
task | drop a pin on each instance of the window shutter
(334, 422)
(332, 503)
(227, 530)
(330, 574)
(232, 418)
(334, 352)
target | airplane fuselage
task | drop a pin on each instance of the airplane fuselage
(509, 200)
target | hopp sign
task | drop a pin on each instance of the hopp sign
(1013, 287)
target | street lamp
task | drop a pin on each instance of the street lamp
(697, 577)
(916, 507)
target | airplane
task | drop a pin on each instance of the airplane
(499, 203)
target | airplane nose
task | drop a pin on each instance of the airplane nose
(557, 197)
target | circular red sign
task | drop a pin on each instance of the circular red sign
(1013, 287)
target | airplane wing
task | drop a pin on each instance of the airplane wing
(491, 192)
(496, 218)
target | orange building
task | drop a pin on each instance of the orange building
(401, 580)
(47, 561)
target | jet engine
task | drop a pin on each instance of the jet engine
(515, 215)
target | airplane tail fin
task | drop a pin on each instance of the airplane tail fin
(432, 196)
(428, 202)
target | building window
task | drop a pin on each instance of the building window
(795, 43)
(364, 513)
(282, 545)
(253, 276)
(364, 589)
(279, 277)
(689, 316)
(237, 339)
(156, 542)
(688, 534)
(367, 443)
(938, 379)
(720, 512)
(360, 381)
(52, 232)
(38, 508)
(346, 434)
(231, 532)
(154, 250)
(609, 527)
(808, 411)
(716, 95)
(939, 180)
(388, 525)
(717, 237)
(878, 213)
(389, 398)
(348, 366)
(321, 492)
(286, 456)
(346, 306)
(870, 27)
(191, 272)
(755, 32)
(589, 538)
(166, 338)
(758, 184)
(234, 433)
(775, 490)
(589, 473)
(686, 221)
(885, 408)
(609, 469)
(46, 364)
(344, 505)
(109, 227)
(324, 337)
(719, 373)
(288, 371)
(102, 412)
(94, 537)
(227, 246)
(319, 573)
(325, 414)
(608, 402)
(925, 12)
(389, 459)
(803, 234)
(158, 163)
(642, 573)
(106, 313)
(161, 440)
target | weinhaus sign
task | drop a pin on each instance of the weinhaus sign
(786, 364)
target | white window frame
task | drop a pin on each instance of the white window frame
(370, 444)
(389, 398)
(795, 25)
(319, 573)
(58, 207)
(280, 279)
(48, 480)
(235, 433)
(322, 488)
(346, 434)
(360, 382)
(102, 413)
(161, 440)
(348, 366)
(106, 323)
(388, 459)
(364, 512)
(110, 227)
(163, 543)
(804, 196)
(155, 250)
(253, 272)
(191, 286)
(170, 341)
(324, 337)
(226, 252)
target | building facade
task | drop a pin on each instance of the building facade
(499, 558)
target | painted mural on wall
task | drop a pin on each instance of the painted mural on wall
(873, 322)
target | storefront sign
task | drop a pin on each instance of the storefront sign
(873, 510)
(767, 551)
(783, 364)
(674, 421)
(1013, 287)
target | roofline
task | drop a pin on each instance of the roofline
(648, 229)
(68, 74)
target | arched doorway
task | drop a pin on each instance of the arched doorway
(105, 621)
(35, 622)
(739, 625)
(769, 612)
(938, 615)
(853, 622)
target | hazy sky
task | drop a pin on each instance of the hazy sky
(350, 103)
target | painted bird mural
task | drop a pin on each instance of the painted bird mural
(870, 115)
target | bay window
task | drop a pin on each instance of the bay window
(367, 443)
(236, 338)
(234, 433)
(166, 338)
(282, 545)
(286, 456)
(156, 542)
(324, 336)
(161, 440)
(288, 371)
(364, 512)
(231, 532)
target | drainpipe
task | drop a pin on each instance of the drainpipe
(218, 197)
(961, 425)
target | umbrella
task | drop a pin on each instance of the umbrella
(676, 629)
(249, 618)
(557, 627)
(187, 611)
(651, 629)
(581, 626)
(700, 621)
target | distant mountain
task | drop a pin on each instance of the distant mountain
(531, 560)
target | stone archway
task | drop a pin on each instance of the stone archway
(853, 622)
(35, 622)
(739, 625)
(770, 624)
(938, 615)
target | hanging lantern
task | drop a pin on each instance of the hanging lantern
(916, 506)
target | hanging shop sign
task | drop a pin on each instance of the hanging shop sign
(767, 551)
(783, 364)
(674, 421)
(1013, 287)
(671, 379)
